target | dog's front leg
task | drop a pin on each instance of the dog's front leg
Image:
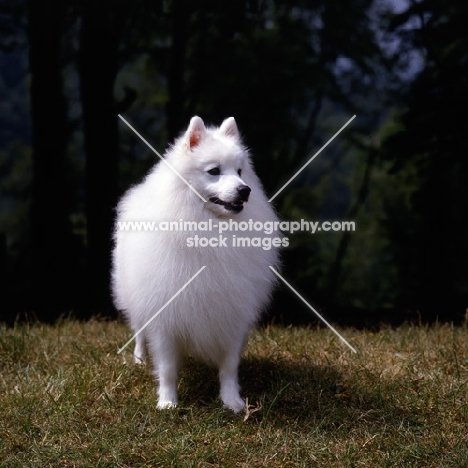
(229, 386)
(167, 359)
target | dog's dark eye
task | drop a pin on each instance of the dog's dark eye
(239, 172)
(214, 171)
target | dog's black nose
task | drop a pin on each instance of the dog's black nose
(244, 192)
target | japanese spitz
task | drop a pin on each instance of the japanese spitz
(165, 233)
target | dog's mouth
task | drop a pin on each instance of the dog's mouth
(235, 207)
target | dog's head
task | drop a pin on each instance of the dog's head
(217, 165)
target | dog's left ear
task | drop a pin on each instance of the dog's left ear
(229, 128)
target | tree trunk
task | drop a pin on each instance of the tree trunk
(176, 114)
(98, 69)
(343, 245)
(50, 227)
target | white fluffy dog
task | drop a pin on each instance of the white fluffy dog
(211, 318)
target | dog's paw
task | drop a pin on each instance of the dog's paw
(138, 359)
(236, 404)
(166, 404)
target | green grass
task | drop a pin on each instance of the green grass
(67, 399)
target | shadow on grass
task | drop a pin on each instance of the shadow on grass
(303, 394)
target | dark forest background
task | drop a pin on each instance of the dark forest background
(292, 73)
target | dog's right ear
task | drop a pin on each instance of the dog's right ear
(195, 132)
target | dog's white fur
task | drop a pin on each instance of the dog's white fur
(212, 317)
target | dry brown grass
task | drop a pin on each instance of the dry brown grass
(69, 400)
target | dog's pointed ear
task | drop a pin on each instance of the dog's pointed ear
(195, 132)
(229, 128)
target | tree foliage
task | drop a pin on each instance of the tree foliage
(291, 73)
(429, 155)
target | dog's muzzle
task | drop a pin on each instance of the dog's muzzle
(236, 206)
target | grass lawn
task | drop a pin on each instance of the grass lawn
(67, 399)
